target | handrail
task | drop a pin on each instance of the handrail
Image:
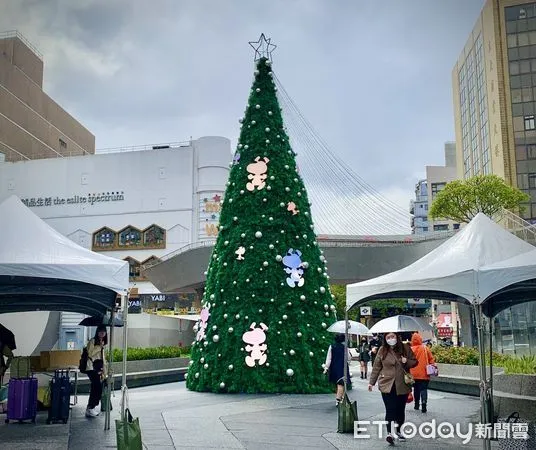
(141, 148)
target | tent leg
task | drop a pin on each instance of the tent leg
(484, 413)
(491, 407)
(346, 324)
(110, 373)
(125, 347)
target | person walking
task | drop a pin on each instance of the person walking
(374, 345)
(335, 366)
(96, 368)
(424, 357)
(364, 357)
(394, 359)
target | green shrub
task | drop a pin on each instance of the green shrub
(524, 365)
(139, 354)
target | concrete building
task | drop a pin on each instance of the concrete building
(136, 204)
(32, 125)
(419, 209)
(494, 90)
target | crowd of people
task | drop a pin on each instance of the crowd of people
(400, 369)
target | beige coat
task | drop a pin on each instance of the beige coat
(388, 371)
(94, 352)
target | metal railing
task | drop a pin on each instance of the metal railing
(517, 226)
(10, 34)
(142, 148)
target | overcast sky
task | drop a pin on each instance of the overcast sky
(373, 77)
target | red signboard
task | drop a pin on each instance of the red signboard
(444, 332)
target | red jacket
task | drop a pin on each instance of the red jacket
(423, 355)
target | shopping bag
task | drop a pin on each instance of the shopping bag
(106, 397)
(128, 432)
(431, 369)
(347, 412)
(410, 397)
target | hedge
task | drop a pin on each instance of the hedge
(469, 356)
(138, 354)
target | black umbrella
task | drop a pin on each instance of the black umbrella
(7, 337)
(95, 321)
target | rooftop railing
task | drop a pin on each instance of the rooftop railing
(16, 34)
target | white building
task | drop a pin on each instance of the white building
(135, 204)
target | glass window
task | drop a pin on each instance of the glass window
(522, 167)
(441, 227)
(528, 109)
(516, 96)
(523, 181)
(129, 236)
(531, 151)
(512, 40)
(521, 152)
(522, 25)
(517, 109)
(532, 37)
(530, 124)
(524, 66)
(532, 51)
(526, 94)
(533, 65)
(532, 180)
(511, 27)
(514, 68)
(524, 52)
(522, 39)
(515, 82)
(519, 124)
(526, 80)
(531, 25)
(513, 54)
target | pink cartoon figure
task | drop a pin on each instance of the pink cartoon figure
(257, 174)
(256, 348)
(202, 326)
(291, 206)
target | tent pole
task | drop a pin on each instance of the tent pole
(125, 347)
(110, 372)
(345, 348)
(484, 415)
(490, 381)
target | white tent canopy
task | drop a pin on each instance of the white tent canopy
(35, 260)
(454, 269)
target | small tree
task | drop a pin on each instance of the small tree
(461, 200)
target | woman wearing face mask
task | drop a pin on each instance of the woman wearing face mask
(364, 357)
(393, 360)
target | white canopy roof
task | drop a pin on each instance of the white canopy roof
(453, 268)
(31, 248)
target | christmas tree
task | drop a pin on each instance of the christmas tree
(267, 303)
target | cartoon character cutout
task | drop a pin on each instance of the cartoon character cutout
(291, 206)
(256, 347)
(294, 268)
(240, 253)
(202, 326)
(257, 174)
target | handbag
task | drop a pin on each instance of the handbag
(82, 365)
(431, 369)
(408, 377)
(106, 397)
(347, 415)
(127, 430)
(410, 397)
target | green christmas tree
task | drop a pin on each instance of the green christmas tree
(267, 303)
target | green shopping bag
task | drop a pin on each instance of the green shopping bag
(127, 430)
(106, 394)
(347, 412)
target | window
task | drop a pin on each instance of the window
(437, 187)
(524, 66)
(63, 144)
(530, 124)
(104, 238)
(129, 236)
(512, 40)
(522, 39)
(456, 226)
(531, 151)
(134, 269)
(154, 235)
(424, 228)
(441, 227)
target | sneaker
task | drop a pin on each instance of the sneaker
(338, 401)
(416, 407)
(424, 408)
(390, 439)
(91, 412)
(401, 437)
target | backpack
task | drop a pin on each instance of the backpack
(82, 366)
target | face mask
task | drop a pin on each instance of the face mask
(391, 342)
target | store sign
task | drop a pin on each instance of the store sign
(444, 332)
(160, 301)
(134, 306)
(366, 311)
(89, 199)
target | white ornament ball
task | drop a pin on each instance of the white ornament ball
(205, 273)
(212, 296)
(322, 290)
(299, 334)
(292, 352)
(257, 106)
(267, 129)
(243, 235)
(302, 297)
(247, 280)
(268, 188)
(222, 385)
(326, 314)
(286, 166)
(267, 364)
(231, 367)
(253, 122)
(215, 338)
(258, 90)
(246, 146)
(225, 316)
(305, 265)
(290, 372)
(226, 243)
(235, 218)
(285, 317)
(256, 72)
(267, 141)
(326, 307)
(324, 325)
(289, 303)
(332, 307)
(287, 189)
(205, 366)
(278, 258)
(258, 234)
(282, 205)
(237, 316)
(190, 363)
(311, 354)
(241, 120)
(271, 246)
(242, 191)
(265, 263)
(272, 300)
(230, 330)
(214, 328)
(197, 374)
(185, 376)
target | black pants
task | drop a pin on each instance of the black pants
(420, 392)
(395, 408)
(95, 392)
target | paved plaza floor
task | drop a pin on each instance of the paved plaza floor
(173, 417)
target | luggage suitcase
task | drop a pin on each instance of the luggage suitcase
(60, 397)
(22, 399)
(20, 367)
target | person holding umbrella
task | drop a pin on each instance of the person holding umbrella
(335, 366)
(393, 362)
(96, 368)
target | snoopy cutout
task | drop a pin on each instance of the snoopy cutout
(257, 174)
(291, 206)
(256, 346)
(240, 253)
(202, 326)
(294, 268)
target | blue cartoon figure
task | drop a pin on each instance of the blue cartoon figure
(294, 268)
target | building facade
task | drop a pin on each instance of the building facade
(32, 125)
(494, 93)
(419, 209)
(136, 205)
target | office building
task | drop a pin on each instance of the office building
(33, 125)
